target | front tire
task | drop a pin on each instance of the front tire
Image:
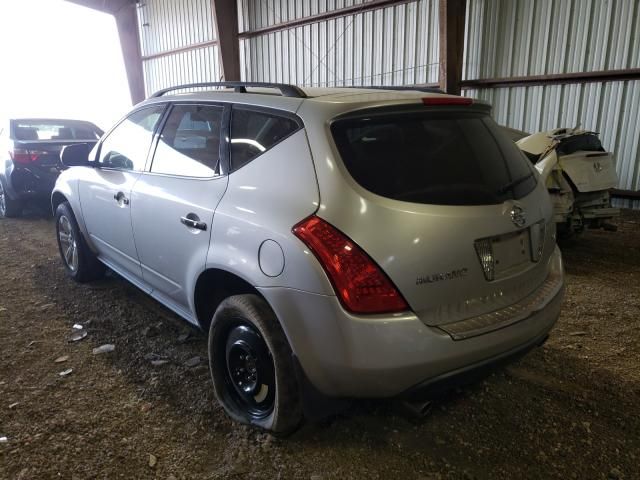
(9, 208)
(79, 261)
(251, 365)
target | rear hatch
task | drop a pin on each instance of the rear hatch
(446, 204)
(35, 148)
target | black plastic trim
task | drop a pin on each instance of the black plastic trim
(436, 386)
(286, 90)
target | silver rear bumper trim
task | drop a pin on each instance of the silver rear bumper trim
(488, 322)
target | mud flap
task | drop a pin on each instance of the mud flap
(315, 404)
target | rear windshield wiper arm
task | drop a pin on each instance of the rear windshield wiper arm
(516, 182)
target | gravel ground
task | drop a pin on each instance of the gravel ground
(570, 409)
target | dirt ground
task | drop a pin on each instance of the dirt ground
(570, 409)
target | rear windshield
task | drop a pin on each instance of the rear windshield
(54, 130)
(444, 158)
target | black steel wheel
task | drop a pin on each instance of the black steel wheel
(252, 367)
(250, 370)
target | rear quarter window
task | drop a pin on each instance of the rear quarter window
(253, 132)
(445, 157)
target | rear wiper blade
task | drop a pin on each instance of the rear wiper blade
(516, 182)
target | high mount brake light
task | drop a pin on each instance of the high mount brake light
(360, 284)
(433, 101)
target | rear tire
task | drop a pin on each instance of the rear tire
(79, 261)
(252, 367)
(9, 208)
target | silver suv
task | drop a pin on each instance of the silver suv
(335, 243)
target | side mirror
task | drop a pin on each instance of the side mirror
(75, 155)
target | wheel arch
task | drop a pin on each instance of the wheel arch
(212, 287)
(56, 199)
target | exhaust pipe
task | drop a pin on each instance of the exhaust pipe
(416, 409)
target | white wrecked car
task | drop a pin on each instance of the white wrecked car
(578, 173)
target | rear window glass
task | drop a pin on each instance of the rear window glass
(444, 158)
(55, 130)
(255, 132)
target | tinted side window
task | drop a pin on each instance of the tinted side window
(254, 132)
(127, 145)
(190, 142)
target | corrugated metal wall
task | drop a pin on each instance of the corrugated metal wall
(167, 25)
(396, 45)
(510, 38)
(399, 45)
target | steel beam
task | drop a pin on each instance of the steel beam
(451, 21)
(127, 23)
(225, 14)
(555, 79)
(320, 17)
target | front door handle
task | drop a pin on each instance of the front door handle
(192, 223)
(121, 199)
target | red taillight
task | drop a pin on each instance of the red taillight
(23, 156)
(447, 101)
(360, 284)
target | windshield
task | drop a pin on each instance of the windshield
(55, 130)
(445, 158)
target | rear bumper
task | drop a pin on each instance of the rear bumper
(599, 213)
(32, 182)
(462, 376)
(344, 355)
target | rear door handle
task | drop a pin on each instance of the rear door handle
(191, 223)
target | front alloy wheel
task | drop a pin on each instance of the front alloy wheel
(79, 261)
(3, 204)
(68, 244)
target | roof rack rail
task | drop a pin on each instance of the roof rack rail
(286, 90)
(416, 88)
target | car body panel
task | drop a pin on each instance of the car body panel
(410, 241)
(262, 203)
(165, 268)
(384, 355)
(578, 179)
(105, 198)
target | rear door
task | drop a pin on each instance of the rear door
(105, 191)
(174, 202)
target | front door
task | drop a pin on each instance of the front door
(173, 204)
(105, 191)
